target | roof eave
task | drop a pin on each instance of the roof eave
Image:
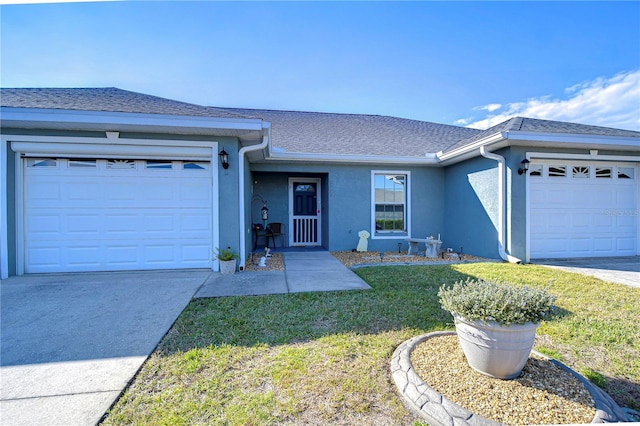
(565, 140)
(429, 159)
(40, 118)
(571, 140)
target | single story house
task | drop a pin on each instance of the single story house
(102, 179)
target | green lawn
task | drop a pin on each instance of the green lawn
(323, 358)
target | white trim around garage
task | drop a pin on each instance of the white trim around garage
(75, 147)
(582, 159)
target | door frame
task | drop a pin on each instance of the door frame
(318, 183)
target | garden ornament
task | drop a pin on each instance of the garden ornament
(363, 243)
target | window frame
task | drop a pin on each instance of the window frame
(407, 206)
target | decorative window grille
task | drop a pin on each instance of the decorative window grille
(121, 164)
(580, 171)
(557, 171)
(603, 173)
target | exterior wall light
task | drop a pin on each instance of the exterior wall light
(525, 167)
(224, 158)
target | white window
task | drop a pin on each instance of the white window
(390, 203)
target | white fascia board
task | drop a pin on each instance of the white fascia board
(429, 159)
(573, 138)
(17, 116)
(563, 140)
(497, 140)
(585, 157)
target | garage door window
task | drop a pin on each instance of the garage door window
(625, 172)
(580, 172)
(557, 171)
(535, 170)
(82, 163)
(42, 162)
(603, 173)
(153, 164)
(121, 164)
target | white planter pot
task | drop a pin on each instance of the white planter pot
(495, 350)
(228, 266)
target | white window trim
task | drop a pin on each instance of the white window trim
(407, 210)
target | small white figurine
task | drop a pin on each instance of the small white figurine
(263, 262)
(363, 243)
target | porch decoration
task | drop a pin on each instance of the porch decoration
(228, 260)
(496, 323)
(363, 243)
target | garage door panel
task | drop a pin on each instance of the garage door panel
(582, 214)
(85, 257)
(580, 245)
(626, 245)
(116, 219)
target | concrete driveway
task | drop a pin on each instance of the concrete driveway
(622, 270)
(70, 343)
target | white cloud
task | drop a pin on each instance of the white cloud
(608, 102)
(490, 107)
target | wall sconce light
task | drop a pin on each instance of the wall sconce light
(525, 167)
(224, 158)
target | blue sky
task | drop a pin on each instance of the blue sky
(465, 63)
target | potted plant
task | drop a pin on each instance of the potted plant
(228, 259)
(496, 323)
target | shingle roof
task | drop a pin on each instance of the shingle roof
(108, 99)
(356, 134)
(303, 132)
(534, 125)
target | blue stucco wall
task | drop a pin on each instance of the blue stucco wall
(471, 207)
(346, 200)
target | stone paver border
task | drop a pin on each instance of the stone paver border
(438, 410)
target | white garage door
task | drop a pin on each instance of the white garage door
(580, 209)
(104, 215)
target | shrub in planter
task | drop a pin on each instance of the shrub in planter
(496, 323)
(228, 259)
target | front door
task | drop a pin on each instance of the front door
(304, 208)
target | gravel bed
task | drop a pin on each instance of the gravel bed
(350, 259)
(273, 263)
(542, 394)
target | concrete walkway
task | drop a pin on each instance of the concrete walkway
(621, 270)
(304, 271)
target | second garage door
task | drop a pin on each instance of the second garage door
(580, 209)
(105, 215)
